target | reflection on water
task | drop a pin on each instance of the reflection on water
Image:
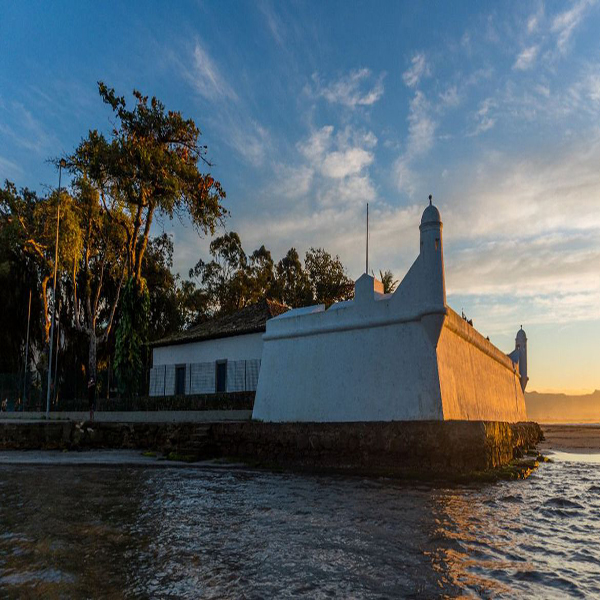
(77, 532)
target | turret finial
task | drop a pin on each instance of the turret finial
(430, 199)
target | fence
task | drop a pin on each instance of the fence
(201, 378)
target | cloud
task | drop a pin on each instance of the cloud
(421, 127)
(27, 131)
(420, 138)
(336, 157)
(205, 77)
(565, 23)
(417, 70)
(526, 58)
(533, 23)
(9, 169)
(248, 138)
(358, 88)
(274, 23)
(483, 117)
(450, 97)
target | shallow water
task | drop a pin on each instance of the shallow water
(109, 532)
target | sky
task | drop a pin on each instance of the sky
(312, 109)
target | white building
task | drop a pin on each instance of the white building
(388, 357)
(220, 355)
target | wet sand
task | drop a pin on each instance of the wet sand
(571, 438)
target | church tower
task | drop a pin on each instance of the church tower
(432, 255)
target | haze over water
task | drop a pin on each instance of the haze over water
(77, 532)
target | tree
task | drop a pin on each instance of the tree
(148, 166)
(174, 304)
(29, 225)
(292, 286)
(328, 278)
(224, 278)
(98, 272)
(389, 283)
(18, 277)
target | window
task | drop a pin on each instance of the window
(221, 378)
(180, 380)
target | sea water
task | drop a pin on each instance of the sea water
(72, 531)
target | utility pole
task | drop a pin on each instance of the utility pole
(367, 253)
(26, 353)
(61, 164)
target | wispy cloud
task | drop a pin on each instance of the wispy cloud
(533, 23)
(357, 88)
(247, 137)
(417, 70)
(484, 117)
(206, 78)
(421, 135)
(8, 169)
(450, 97)
(26, 130)
(273, 22)
(565, 23)
(526, 58)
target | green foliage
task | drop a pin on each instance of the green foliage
(231, 280)
(292, 285)
(389, 283)
(149, 165)
(328, 278)
(131, 336)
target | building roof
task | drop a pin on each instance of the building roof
(250, 319)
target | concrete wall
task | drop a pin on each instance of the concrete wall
(239, 347)
(477, 381)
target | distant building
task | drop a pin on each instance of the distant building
(220, 355)
(389, 357)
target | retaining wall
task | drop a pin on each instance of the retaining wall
(402, 448)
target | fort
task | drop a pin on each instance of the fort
(403, 356)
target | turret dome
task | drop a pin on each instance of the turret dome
(521, 337)
(431, 214)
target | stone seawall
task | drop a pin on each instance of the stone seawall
(402, 448)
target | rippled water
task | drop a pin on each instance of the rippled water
(104, 532)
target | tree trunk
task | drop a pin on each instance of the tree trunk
(92, 355)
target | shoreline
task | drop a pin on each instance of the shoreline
(579, 438)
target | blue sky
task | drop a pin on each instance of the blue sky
(311, 109)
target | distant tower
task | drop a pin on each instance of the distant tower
(432, 254)
(521, 351)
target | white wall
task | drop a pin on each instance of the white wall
(243, 354)
(239, 347)
(368, 360)
(371, 374)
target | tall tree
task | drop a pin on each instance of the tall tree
(97, 273)
(149, 165)
(328, 278)
(224, 278)
(292, 286)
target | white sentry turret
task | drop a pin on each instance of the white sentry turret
(521, 351)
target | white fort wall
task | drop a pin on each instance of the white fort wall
(401, 356)
(477, 381)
